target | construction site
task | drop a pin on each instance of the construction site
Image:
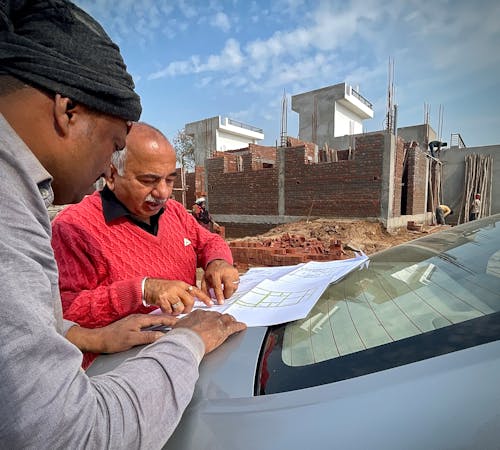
(333, 189)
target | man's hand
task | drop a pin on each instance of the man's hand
(222, 277)
(173, 297)
(120, 335)
(213, 327)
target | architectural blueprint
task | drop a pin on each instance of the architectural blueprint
(272, 295)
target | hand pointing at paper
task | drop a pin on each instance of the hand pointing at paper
(222, 277)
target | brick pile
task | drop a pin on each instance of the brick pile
(283, 250)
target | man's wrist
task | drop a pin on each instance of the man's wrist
(217, 261)
(86, 339)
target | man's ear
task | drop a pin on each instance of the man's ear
(64, 109)
(110, 177)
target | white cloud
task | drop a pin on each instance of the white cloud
(229, 59)
(146, 18)
(205, 81)
(177, 68)
(187, 10)
(237, 81)
(221, 21)
(328, 29)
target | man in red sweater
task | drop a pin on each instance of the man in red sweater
(130, 249)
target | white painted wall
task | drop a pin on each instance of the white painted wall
(215, 134)
(343, 119)
(226, 141)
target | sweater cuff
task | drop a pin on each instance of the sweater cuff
(129, 294)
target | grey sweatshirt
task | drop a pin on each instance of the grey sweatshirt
(46, 400)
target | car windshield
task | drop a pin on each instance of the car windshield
(395, 311)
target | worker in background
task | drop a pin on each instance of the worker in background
(201, 214)
(435, 147)
(442, 211)
(475, 210)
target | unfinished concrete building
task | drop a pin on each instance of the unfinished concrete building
(343, 173)
(219, 135)
(331, 112)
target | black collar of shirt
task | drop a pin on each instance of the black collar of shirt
(113, 209)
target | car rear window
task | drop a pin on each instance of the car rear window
(412, 302)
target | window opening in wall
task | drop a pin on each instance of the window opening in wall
(239, 163)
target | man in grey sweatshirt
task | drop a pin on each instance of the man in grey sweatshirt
(65, 99)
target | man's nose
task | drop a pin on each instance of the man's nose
(163, 189)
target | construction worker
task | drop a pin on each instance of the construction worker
(201, 214)
(475, 210)
(442, 211)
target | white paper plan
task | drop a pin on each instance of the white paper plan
(272, 295)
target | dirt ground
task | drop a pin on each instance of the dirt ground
(370, 237)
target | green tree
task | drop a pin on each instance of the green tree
(184, 149)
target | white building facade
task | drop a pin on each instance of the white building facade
(331, 112)
(219, 135)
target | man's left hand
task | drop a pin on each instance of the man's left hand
(222, 277)
(120, 335)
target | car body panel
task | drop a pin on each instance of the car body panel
(428, 404)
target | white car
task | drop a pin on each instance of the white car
(403, 354)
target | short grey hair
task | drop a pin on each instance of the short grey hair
(118, 160)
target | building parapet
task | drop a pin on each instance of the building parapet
(361, 98)
(244, 125)
(457, 141)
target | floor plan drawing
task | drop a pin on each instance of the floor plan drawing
(272, 295)
(263, 298)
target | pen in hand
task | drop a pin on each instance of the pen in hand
(162, 328)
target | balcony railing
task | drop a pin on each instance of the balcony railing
(361, 98)
(243, 125)
(457, 141)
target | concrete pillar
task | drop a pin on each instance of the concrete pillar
(387, 189)
(280, 159)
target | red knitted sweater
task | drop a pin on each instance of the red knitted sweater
(101, 266)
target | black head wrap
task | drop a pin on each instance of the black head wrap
(55, 46)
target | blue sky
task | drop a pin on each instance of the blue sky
(197, 59)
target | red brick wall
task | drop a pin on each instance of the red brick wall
(343, 188)
(262, 151)
(346, 188)
(248, 192)
(417, 167)
(230, 161)
(309, 147)
(199, 183)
